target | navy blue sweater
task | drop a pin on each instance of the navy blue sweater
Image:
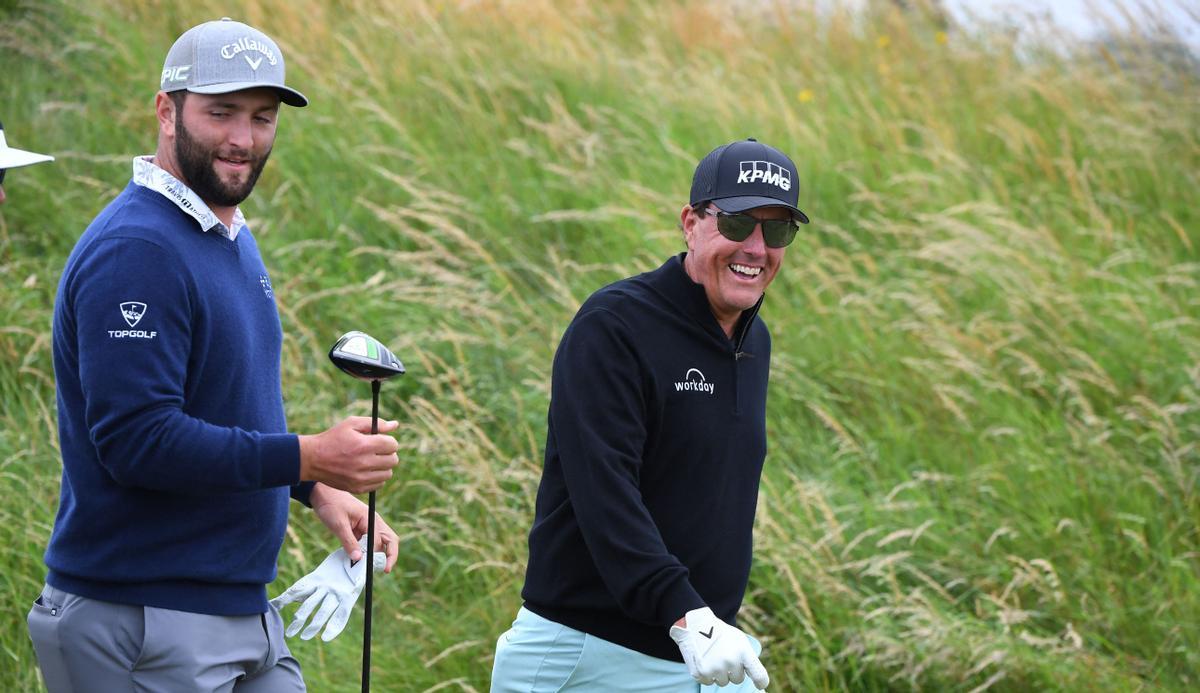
(176, 458)
(655, 446)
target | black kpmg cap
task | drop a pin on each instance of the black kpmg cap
(747, 174)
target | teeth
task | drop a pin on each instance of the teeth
(748, 271)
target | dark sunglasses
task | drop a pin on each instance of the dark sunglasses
(2, 172)
(777, 233)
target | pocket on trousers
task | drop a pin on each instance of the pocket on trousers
(560, 660)
(141, 648)
(43, 622)
(502, 642)
(277, 647)
(535, 656)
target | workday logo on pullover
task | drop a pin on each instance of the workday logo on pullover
(694, 381)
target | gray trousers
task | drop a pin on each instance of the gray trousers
(89, 645)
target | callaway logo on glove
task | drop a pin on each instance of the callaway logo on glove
(716, 652)
(335, 586)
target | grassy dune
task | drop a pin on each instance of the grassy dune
(985, 404)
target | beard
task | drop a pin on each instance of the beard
(196, 164)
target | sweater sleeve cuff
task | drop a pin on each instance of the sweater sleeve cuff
(681, 600)
(303, 492)
(280, 458)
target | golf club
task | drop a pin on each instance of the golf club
(365, 358)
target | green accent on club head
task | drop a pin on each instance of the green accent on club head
(372, 349)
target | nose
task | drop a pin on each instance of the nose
(755, 244)
(241, 133)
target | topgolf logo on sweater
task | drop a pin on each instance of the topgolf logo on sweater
(694, 381)
(132, 311)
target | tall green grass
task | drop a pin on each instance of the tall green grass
(985, 400)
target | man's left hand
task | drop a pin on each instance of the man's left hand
(346, 517)
(716, 652)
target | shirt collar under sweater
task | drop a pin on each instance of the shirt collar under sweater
(149, 175)
(679, 287)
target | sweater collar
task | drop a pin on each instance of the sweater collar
(679, 288)
(148, 175)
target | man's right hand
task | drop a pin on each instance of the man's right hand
(716, 652)
(348, 457)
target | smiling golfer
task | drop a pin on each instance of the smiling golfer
(177, 461)
(641, 542)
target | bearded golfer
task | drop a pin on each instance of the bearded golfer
(177, 462)
(640, 550)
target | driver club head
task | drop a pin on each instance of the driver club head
(364, 357)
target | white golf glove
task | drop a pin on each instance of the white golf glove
(335, 586)
(716, 652)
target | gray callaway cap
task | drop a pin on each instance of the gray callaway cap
(222, 56)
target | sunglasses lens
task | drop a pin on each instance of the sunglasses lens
(736, 227)
(778, 233)
(2, 172)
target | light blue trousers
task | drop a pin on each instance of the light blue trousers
(538, 655)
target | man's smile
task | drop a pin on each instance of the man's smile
(745, 271)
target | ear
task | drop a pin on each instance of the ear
(688, 219)
(164, 110)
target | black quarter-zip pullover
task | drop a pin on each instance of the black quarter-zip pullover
(655, 445)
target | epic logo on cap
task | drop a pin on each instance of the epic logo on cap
(179, 73)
